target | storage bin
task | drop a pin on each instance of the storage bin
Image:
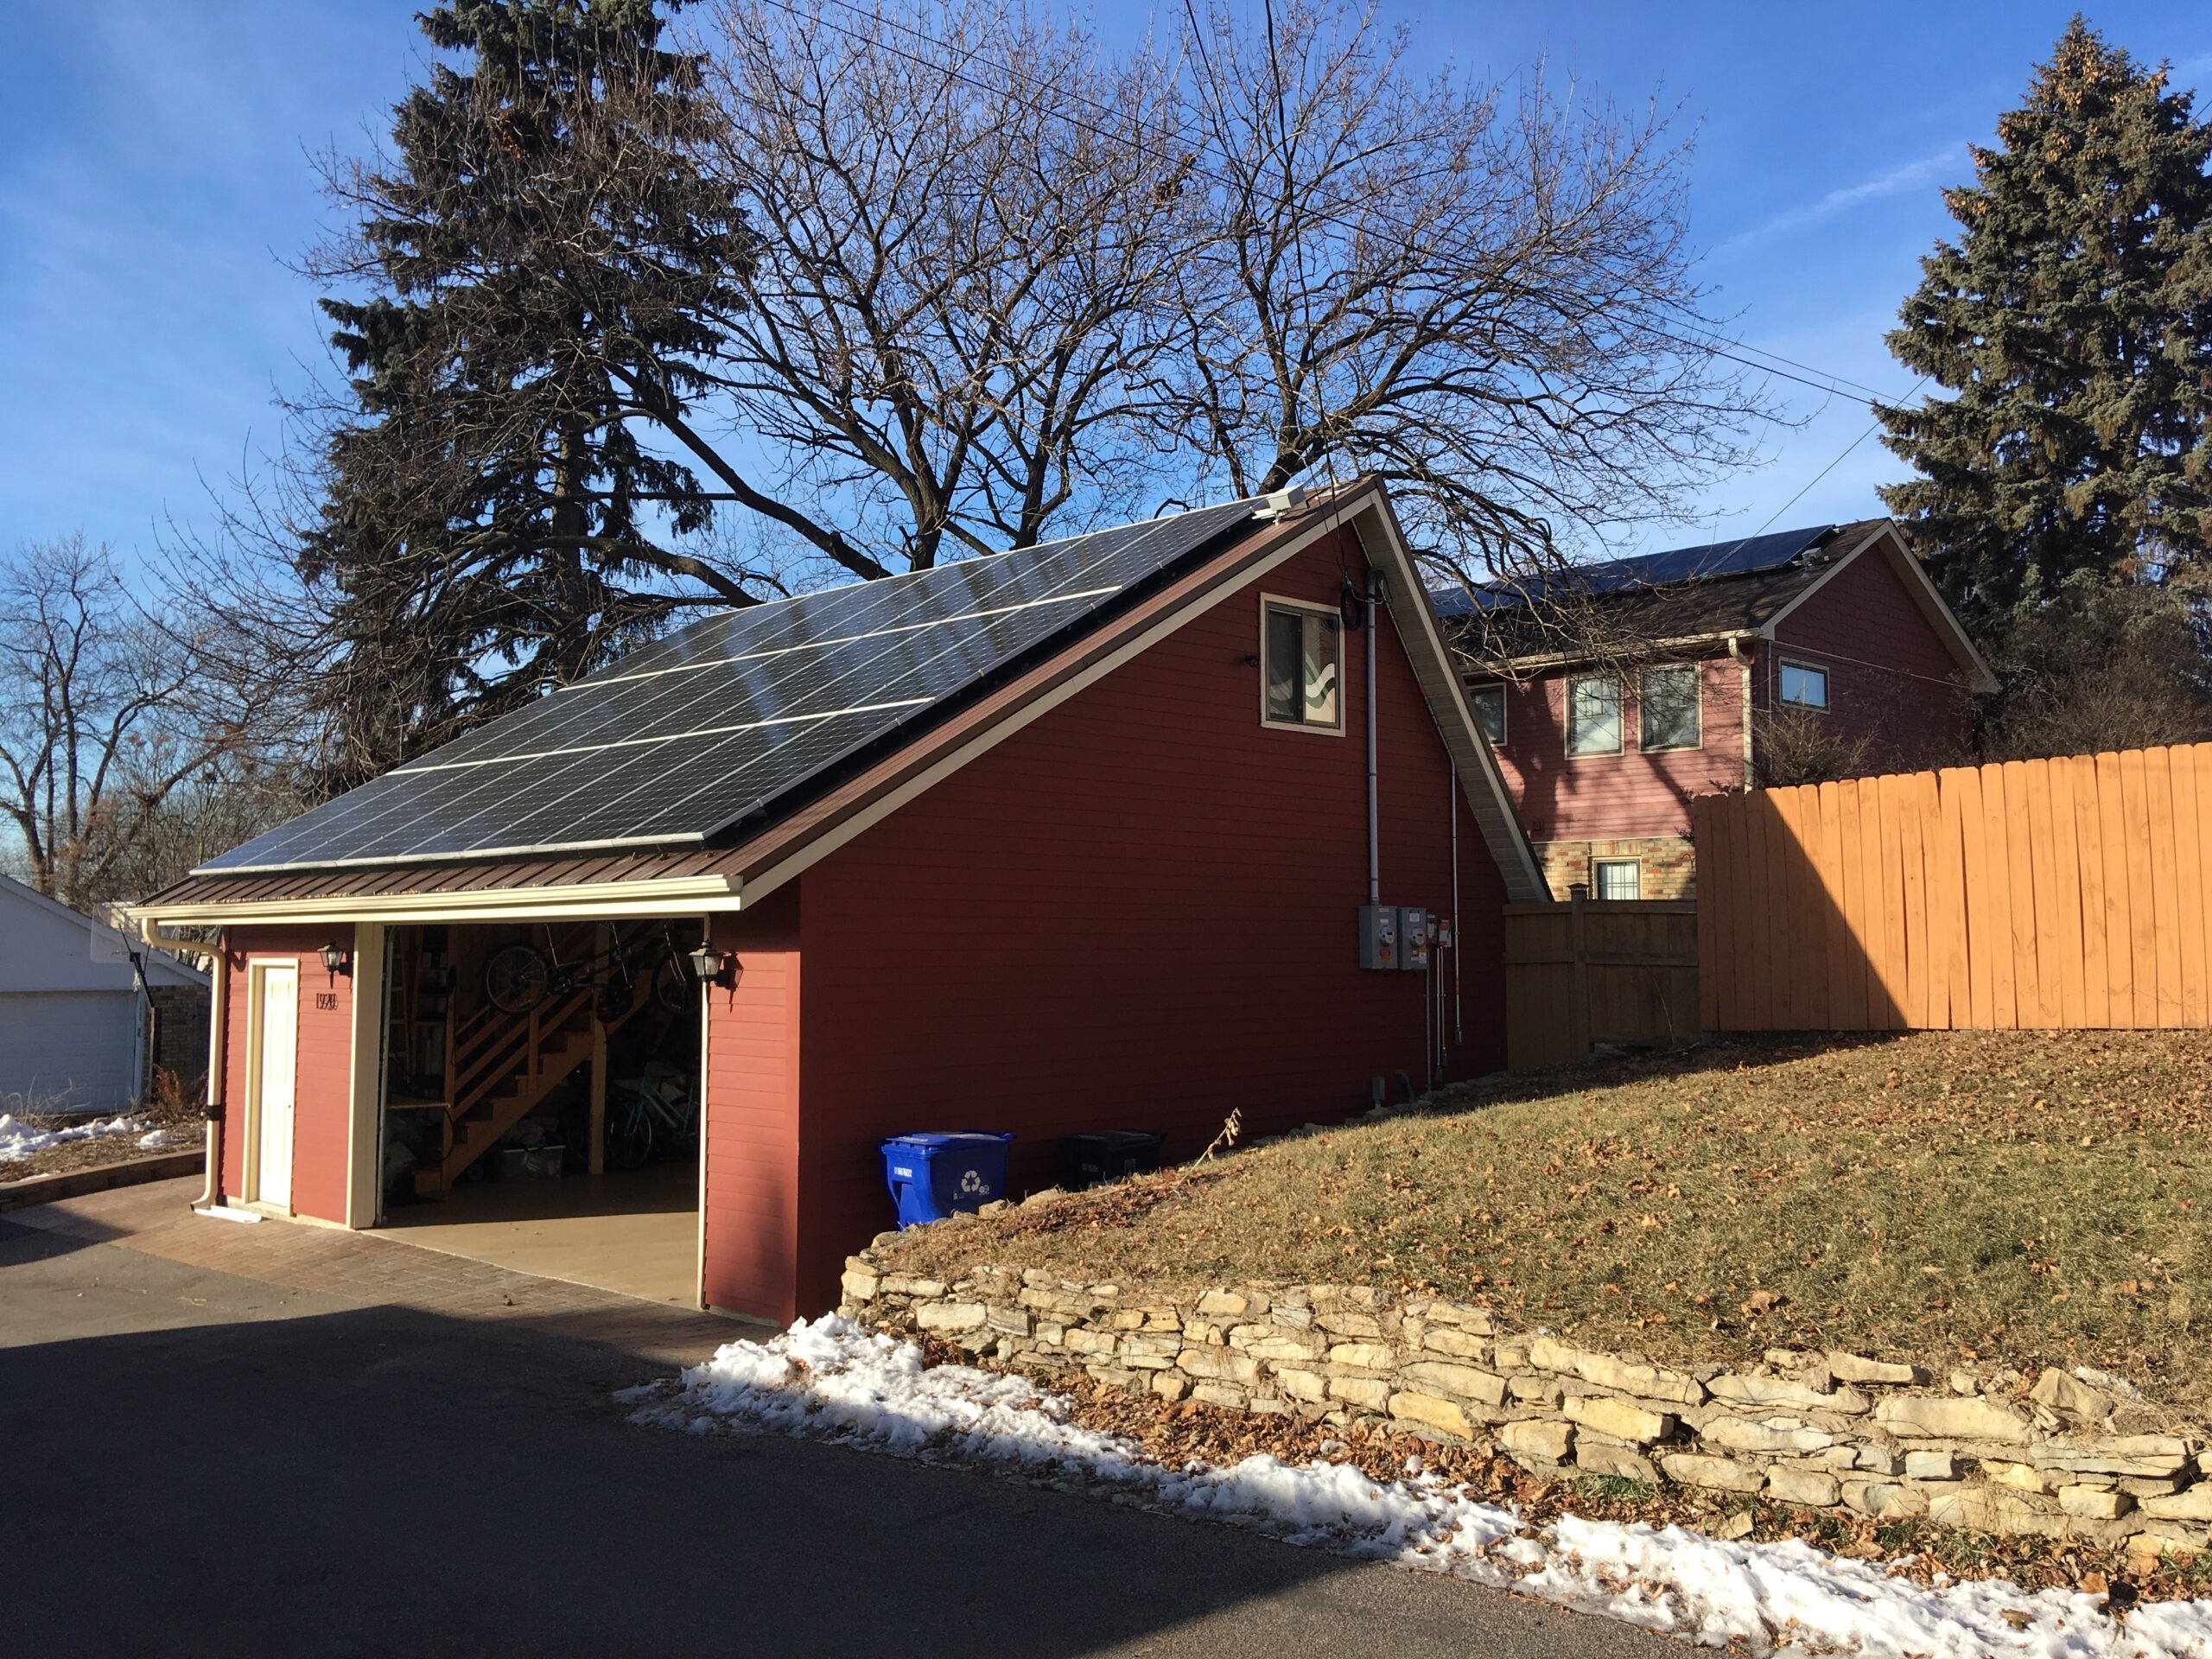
(528, 1163)
(931, 1176)
(1103, 1156)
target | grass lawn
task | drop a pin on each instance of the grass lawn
(2019, 1199)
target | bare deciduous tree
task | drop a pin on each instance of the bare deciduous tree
(1481, 292)
(961, 298)
(1795, 746)
(1007, 279)
(892, 286)
(110, 721)
(2102, 666)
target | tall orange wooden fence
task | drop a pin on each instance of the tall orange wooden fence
(2062, 894)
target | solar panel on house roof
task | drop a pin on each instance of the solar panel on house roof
(1700, 563)
(690, 733)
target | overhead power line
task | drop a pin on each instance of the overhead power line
(1761, 360)
(1832, 464)
(1828, 383)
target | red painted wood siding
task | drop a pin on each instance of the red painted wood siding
(751, 1181)
(1139, 911)
(1609, 797)
(322, 1115)
(1891, 677)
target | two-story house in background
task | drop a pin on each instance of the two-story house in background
(1717, 657)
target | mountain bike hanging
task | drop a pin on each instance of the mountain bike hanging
(518, 977)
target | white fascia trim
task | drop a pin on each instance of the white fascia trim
(1932, 602)
(820, 847)
(679, 896)
(1458, 715)
(1924, 595)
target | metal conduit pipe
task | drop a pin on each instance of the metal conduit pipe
(1374, 811)
(1452, 807)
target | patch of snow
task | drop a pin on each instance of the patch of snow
(165, 1140)
(2108, 1382)
(829, 1379)
(18, 1140)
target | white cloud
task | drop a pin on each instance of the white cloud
(1951, 159)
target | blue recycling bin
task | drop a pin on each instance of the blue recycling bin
(931, 1176)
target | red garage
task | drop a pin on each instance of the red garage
(1104, 833)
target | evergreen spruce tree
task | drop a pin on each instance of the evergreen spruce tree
(2072, 323)
(545, 264)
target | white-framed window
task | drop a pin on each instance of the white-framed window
(1302, 666)
(1594, 715)
(1616, 878)
(1804, 685)
(1668, 707)
(1489, 703)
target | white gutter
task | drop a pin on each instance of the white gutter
(688, 895)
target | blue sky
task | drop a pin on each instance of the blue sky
(155, 179)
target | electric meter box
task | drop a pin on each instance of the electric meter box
(1413, 938)
(1378, 935)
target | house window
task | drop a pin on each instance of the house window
(1593, 715)
(1617, 878)
(1302, 666)
(1489, 702)
(1806, 687)
(1668, 702)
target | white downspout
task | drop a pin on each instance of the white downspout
(218, 998)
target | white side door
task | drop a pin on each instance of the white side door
(277, 1009)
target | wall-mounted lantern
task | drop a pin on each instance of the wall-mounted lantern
(336, 959)
(711, 966)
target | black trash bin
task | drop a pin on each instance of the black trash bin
(1108, 1155)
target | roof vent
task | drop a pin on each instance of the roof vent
(1282, 502)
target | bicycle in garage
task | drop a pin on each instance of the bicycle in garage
(517, 977)
(643, 1120)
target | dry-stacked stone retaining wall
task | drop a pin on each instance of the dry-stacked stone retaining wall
(2065, 1454)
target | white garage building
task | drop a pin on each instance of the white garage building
(78, 1017)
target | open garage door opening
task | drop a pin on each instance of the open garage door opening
(541, 1102)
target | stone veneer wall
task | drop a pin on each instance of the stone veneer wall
(1991, 1454)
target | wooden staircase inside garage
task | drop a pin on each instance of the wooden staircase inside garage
(504, 1065)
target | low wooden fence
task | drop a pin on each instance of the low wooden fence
(1598, 971)
(2058, 894)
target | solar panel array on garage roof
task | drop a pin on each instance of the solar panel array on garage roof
(717, 722)
(1700, 563)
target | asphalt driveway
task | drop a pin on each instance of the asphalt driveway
(198, 1462)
